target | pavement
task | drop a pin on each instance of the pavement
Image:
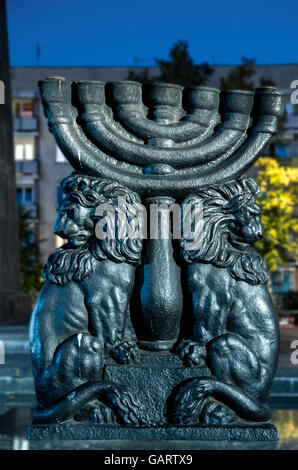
(16, 339)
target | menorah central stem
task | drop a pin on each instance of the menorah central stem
(158, 284)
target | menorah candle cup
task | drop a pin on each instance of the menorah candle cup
(202, 105)
(165, 102)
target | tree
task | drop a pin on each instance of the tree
(239, 77)
(279, 192)
(179, 69)
(142, 76)
(29, 257)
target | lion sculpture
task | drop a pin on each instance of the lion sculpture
(82, 316)
(235, 329)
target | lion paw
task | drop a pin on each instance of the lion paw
(125, 353)
(191, 353)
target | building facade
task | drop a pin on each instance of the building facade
(40, 165)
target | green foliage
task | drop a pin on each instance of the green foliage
(142, 76)
(239, 77)
(279, 194)
(179, 69)
(31, 280)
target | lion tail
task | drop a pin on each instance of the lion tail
(188, 399)
(128, 409)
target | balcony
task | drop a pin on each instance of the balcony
(25, 124)
(27, 166)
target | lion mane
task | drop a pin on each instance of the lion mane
(218, 205)
(67, 264)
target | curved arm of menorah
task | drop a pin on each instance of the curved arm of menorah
(237, 106)
(134, 120)
(178, 185)
(136, 153)
(56, 100)
(201, 103)
(268, 107)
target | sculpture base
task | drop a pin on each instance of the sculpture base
(153, 378)
(255, 432)
(156, 346)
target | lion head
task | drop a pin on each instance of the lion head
(231, 222)
(77, 219)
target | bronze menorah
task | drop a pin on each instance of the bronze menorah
(108, 344)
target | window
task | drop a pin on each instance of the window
(281, 151)
(59, 156)
(23, 108)
(28, 195)
(24, 150)
(283, 281)
(290, 108)
(25, 195)
(20, 195)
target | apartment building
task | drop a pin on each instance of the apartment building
(40, 165)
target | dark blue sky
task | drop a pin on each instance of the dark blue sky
(114, 32)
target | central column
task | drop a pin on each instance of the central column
(158, 285)
(15, 306)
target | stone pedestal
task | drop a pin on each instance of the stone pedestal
(153, 382)
(245, 432)
(153, 379)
